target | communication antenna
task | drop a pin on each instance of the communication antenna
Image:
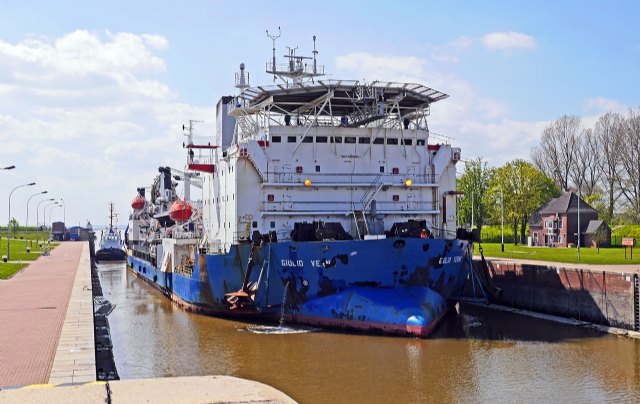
(315, 53)
(273, 39)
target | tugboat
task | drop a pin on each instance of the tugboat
(326, 202)
(111, 245)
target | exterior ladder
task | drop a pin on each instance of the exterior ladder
(371, 192)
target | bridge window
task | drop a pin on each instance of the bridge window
(420, 142)
(336, 139)
(273, 225)
(349, 139)
(381, 169)
(276, 139)
(363, 140)
(407, 142)
(291, 139)
(321, 139)
(392, 141)
(317, 169)
(378, 140)
(254, 224)
(307, 139)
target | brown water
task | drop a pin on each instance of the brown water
(477, 355)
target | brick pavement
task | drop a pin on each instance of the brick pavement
(33, 305)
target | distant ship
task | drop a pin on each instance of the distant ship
(111, 244)
(323, 202)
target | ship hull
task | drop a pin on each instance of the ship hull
(110, 254)
(390, 286)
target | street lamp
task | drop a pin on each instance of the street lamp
(64, 218)
(9, 223)
(578, 224)
(502, 214)
(26, 222)
(38, 217)
(44, 210)
(8, 168)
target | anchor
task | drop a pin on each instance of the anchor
(245, 297)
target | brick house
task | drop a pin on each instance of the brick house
(556, 222)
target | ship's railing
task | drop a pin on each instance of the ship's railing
(347, 179)
(293, 67)
(301, 207)
(202, 160)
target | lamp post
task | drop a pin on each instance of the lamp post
(64, 218)
(38, 217)
(8, 168)
(502, 215)
(578, 224)
(26, 222)
(44, 210)
(9, 222)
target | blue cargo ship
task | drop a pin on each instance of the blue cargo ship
(328, 202)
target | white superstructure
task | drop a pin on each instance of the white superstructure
(310, 149)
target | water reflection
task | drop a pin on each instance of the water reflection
(477, 355)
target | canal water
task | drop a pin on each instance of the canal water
(476, 355)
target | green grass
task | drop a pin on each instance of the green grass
(8, 269)
(18, 253)
(613, 255)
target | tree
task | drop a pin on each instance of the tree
(474, 183)
(525, 189)
(609, 149)
(629, 175)
(586, 174)
(556, 154)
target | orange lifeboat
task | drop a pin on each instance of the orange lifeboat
(180, 211)
(138, 203)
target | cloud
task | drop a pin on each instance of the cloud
(480, 125)
(88, 117)
(601, 104)
(508, 40)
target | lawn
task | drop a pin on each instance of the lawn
(8, 269)
(18, 255)
(613, 255)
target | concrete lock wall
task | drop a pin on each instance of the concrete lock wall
(598, 297)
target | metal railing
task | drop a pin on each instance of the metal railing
(347, 207)
(346, 179)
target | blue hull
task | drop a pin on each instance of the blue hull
(397, 286)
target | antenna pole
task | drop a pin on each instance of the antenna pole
(273, 39)
(315, 53)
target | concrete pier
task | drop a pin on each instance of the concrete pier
(192, 390)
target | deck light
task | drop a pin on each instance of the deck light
(307, 182)
(408, 182)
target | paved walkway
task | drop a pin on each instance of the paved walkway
(33, 307)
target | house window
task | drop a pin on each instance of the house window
(559, 239)
(559, 223)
